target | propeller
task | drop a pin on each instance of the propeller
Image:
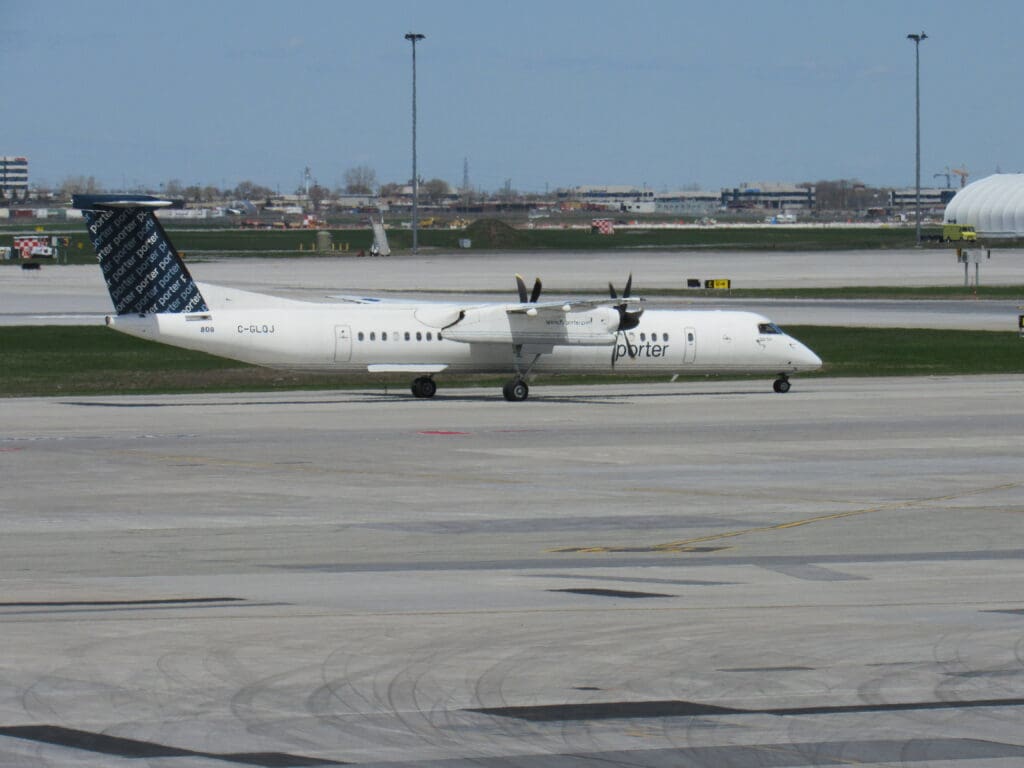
(533, 296)
(628, 319)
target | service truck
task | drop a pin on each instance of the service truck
(956, 232)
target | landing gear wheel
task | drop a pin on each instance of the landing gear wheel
(516, 391)
(781, 385)
(424, 386)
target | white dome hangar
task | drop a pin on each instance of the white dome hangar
(994, 205)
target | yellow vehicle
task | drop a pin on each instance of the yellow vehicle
(954, 232)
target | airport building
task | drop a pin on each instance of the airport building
(629, 199)
(993, 205)
(690, 202)
(769, 196)
(933, 199)
(14, 177)
(610, 197)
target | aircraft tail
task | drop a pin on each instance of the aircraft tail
(144, 273)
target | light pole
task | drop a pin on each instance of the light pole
(917, 119)
(412, 37)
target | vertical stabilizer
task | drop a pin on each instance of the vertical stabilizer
(144, 273)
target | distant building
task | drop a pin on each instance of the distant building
(629, 199)
(691, 202)
(610, 197)
(932, 199)
(358, 202)
(14, 177)
(769, 196)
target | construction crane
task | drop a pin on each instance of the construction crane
(946, 174)
(963, 173)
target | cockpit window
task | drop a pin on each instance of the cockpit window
(769, 328)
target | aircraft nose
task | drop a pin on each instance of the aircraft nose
(803, 357)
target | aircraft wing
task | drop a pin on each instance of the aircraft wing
(534, 323)
(349, 299)
(565, 306)
(554, 307)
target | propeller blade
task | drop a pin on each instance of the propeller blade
(611, 290)
(629, 284)
(536, 291)
(521, 287)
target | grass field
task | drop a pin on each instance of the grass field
(58, 360)
(488, 236)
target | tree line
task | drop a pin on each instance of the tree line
(359, 180)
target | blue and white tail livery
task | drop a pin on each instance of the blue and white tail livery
(155, 297)
(143, 271)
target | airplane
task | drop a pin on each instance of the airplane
(155, 298)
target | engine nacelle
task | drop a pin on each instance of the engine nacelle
(544, 326)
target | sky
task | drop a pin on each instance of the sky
(666, 94)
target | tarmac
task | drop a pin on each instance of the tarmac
(699, 573)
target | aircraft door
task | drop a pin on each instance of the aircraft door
(689, 345)
(342, 343)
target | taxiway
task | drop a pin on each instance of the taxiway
(76, 295)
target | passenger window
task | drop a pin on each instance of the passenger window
(373, 336)
(360, 336)
(664, 337)
(429, 337)
(406, 335)
(689, 337)
(419, 336)
(384, 336)
(642, 337)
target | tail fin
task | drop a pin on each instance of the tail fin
(144, 273)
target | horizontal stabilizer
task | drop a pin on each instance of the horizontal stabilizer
(108, 201)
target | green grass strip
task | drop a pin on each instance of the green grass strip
(912, 351)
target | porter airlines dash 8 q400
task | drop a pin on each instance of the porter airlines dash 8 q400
(155, 298)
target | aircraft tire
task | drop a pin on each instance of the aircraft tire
(781, 386)
(516, 391)
(424, 387)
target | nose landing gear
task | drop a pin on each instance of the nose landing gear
(781, 384)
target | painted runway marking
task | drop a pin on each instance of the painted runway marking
(688, 545)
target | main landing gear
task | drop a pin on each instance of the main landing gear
(424, 386)
(781, 384)
(516, 390)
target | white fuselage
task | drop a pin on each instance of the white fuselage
(422, 338)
